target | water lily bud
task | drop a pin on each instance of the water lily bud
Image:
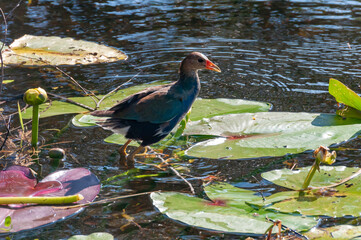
(35, 96)
(322, 153)
(57, 153)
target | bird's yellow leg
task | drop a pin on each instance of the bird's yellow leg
(149, 153)
(123, 154)
(146, 149)
(130, 158)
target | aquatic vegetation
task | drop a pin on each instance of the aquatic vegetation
(227, 210)
(93, 236)
(18, 181)
(35, 97)
(263, 134)
(32, 50)
(333, 192)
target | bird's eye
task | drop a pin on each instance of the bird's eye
(200, 60)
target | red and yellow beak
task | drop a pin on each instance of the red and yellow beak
(212, 66)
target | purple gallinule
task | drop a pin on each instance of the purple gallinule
(149, 115)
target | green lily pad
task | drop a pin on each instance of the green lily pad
(336, 232)
(339, 201)
(93, 236)
(225, 213)
(314, 203)
(293, 179)
(344, 94)
(84, 120)
(262, 134)
(233, 196)
(206, 108)
(40, 50)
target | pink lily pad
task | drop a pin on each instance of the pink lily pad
(19, 181)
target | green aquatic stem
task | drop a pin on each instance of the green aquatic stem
(323, 155)
(35, 127)
(42, 200)
(311, 173)
(35, 97)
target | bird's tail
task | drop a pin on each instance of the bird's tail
(115, 125)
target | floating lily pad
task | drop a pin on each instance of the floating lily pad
(93, 236)
(293, 179)
(206, 108)
(340, 201)
(251, 135)
(227, 212)
(336, 232)
(40, 50)
(344, 94)
(315, 203)
(18, 181)
(85, 120)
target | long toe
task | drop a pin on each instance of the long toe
(147, 151)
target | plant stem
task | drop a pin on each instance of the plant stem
(315, 166)
(35, 127)
(41, 200)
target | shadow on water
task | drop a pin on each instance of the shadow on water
(282, 52)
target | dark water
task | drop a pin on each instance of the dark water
(282, 52)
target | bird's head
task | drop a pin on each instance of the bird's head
(196, 61)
